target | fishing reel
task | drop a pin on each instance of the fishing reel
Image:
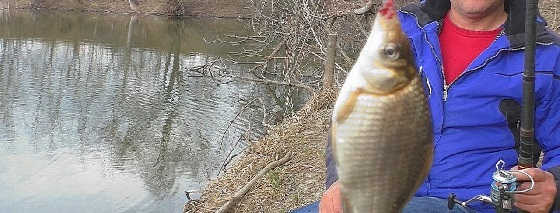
(502, 189)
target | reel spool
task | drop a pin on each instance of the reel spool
(502, 189)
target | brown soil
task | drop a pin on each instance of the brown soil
(550, 10)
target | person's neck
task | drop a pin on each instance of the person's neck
(478, 23)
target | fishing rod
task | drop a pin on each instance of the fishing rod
(527, 129)
(504, 184)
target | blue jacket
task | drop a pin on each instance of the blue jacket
(470, 132)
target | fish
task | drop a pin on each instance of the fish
(381, 128)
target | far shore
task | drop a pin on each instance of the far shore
(190, 8)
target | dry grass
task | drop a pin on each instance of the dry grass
(298, 182)
(550, 10)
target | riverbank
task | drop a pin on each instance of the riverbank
(301, 180)
(198, 8)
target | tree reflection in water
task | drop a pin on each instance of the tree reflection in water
(104, 113)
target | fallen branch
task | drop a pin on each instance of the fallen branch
(226, 161)
(239, 194)
(250, 62)
(323, 59)
(308, 88)
(359, 11)
(245, 38)
(276, 49)
(233, 120)
(365, 8)
(347, 58)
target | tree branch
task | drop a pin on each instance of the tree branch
(239, 194)
(365, 8)
(266, 81)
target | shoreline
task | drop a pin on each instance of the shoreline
(95, 12)
(230, 9)
(298, 182)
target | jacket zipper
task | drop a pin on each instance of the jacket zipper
(440, 63)
(447, 86)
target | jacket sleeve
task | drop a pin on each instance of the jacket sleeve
(547, 121)
(556, 172)
(547, 127)
(332, 175)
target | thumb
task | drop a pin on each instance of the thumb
(331, 201)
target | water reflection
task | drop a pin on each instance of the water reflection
(98, 113)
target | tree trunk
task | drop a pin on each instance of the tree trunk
(175, 8)
(11, 4)
(328, 74)
(134, 5)
(35, 4)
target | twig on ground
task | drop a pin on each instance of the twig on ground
(276, 49)
(266, 81)
(365, 8)
(224, 164)
(245, 38)
(239, 194)
(229, 156)
(235, 118)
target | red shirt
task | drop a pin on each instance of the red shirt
(460, 47)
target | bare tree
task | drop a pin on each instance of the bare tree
(134, 5)
(293, 36)
(11, 4)
(35, 4)
(175, 8)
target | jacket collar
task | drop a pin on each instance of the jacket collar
(434, 10)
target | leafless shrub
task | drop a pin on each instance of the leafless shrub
(293, 36)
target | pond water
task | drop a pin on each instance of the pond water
(103, 113)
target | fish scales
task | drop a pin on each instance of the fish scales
(381, 158)
(382, 133)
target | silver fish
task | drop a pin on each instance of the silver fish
(382, 131)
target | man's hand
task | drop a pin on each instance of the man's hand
(331, 201)
(541, 198)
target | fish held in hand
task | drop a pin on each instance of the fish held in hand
(381, 124)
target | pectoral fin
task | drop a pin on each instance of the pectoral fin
(347, 106)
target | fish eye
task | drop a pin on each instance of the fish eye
(391, 51)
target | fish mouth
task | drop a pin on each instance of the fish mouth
(388, 9)
(386, 62)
